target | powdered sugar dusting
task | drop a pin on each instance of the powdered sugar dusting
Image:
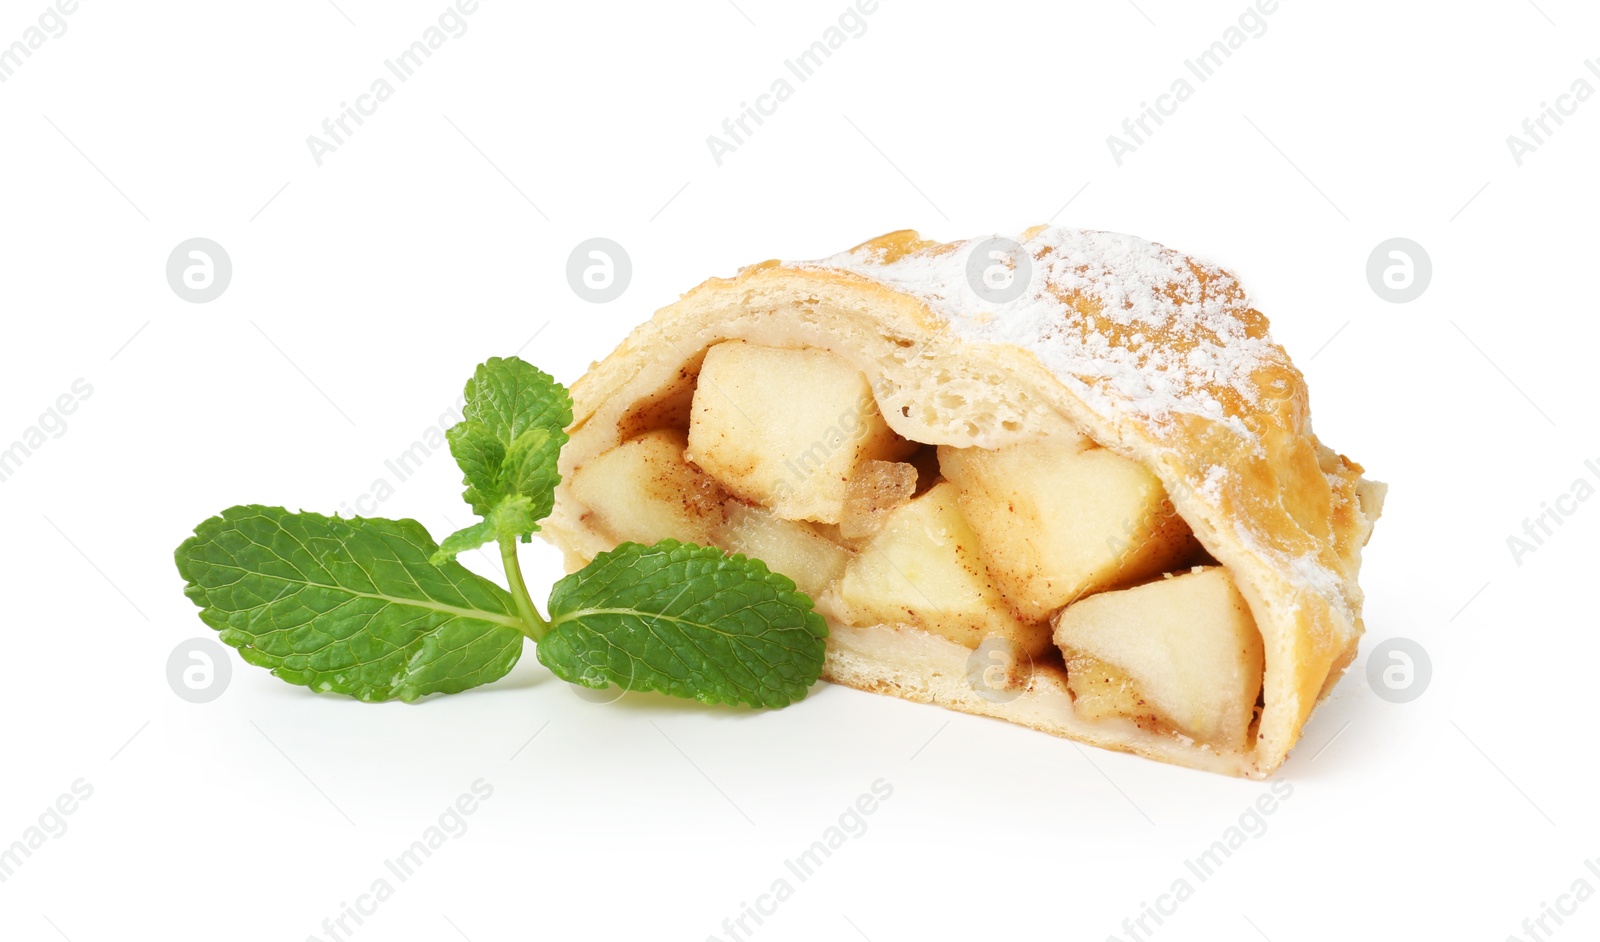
(1126, 324)
(1210, 489)
(1134, 329)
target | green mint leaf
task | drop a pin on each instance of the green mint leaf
(512, 517)
(530, 467)
(466, 538)
(351, 606)
(509, 396)
(507, 444)
(480, 456)
(686, 620)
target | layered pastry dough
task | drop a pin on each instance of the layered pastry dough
(1097, 509)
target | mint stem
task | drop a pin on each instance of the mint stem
(534, 625)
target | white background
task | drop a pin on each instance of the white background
(366, 290)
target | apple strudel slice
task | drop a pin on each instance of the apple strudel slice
(1090, 503)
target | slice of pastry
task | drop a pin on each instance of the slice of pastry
(1096, 508)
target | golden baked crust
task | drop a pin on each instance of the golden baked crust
(1155, 355)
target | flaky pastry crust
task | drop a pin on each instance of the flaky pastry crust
(1153, 354)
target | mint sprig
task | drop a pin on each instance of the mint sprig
(507, 443)
(374, 609)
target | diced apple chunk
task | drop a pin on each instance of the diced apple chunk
(786, 428)
(1061, 517)
(786, 546)
(1101, 689)
(872, 493)
(1187, 642)
(923, 569)
(643, 490)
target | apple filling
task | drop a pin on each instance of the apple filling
(1065, 550)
